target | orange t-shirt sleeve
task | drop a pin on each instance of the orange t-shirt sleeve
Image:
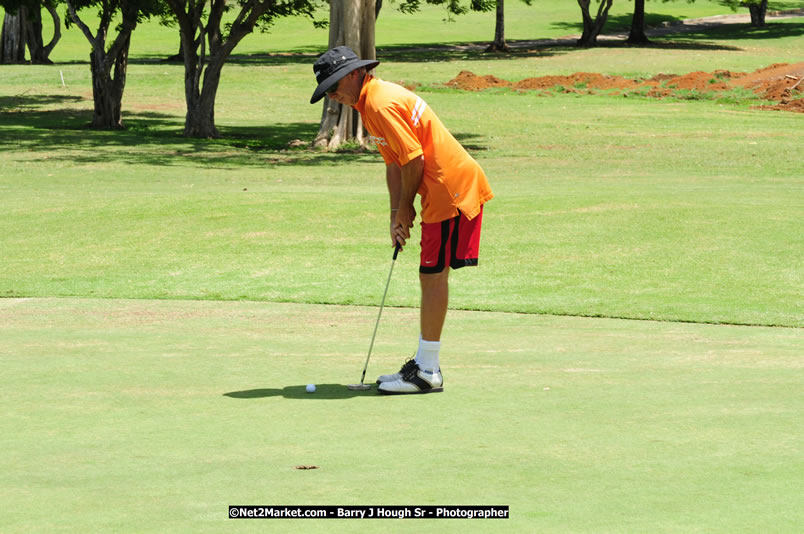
(402, 143)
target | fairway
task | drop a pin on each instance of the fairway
(154, 416)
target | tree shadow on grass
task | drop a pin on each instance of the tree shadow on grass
(469, 51)
(322, 392)
(693, 36)
(151, 138)
(469, 142)
(21, 101)
(410, 53)
(521, 48)
(739, 32)
(660, 43)
(621, 23)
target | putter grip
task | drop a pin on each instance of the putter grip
(396, 250)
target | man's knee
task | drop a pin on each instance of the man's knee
(434, 280)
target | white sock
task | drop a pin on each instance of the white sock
(427, 355)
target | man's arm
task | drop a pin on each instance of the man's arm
(393, 177)
(403, 183)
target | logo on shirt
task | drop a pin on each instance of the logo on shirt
(418, 109)
(378, 140)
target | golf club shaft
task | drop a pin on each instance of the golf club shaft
(382, 305)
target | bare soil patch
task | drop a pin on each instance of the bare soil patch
(780, 82)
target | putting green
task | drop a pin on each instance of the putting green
(154, 416)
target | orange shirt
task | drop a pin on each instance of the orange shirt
(404, 127)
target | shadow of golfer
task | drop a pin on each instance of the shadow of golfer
(322, 392)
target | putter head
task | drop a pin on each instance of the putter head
(359, 387)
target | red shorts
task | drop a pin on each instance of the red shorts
(454, 243)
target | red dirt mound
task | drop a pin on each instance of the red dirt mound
(697, 81)
(468, 81)
(780, 82)
(579, 80)
(792, 105)
(775, 82)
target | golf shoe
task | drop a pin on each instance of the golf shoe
(409, 363)
(412, 380)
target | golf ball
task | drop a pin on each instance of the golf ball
(310, 388)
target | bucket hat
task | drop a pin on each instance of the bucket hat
(333, 65)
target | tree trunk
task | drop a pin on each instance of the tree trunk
(758, 11)
(593, 26)
(32, 25)
(200, 118)
(637, 35)
(107, 88)
(200, 97)
(108, 67)
(48, 48)
(195, 36)
(499, 44)
(12, 40)
(351, 23)
(25, 29)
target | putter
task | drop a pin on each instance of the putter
(361, 386)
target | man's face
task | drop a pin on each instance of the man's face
(347, 90)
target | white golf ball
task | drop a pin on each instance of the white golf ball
(310, 388)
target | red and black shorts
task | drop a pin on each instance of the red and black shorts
(454, 243)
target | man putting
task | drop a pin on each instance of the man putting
(422, 157)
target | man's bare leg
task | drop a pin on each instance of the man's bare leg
(435, 299)
(427, 376)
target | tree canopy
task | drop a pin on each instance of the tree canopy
(207, 43)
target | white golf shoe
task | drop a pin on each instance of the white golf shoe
(412, 380)
(409, 363)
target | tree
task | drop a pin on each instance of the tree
(351, 23)
(637, 35)
(22, 26)
(202, 66)
(109, 66)
(758, 9)
(12, 43)
(499, 44)
(593, 26)
(40, 52)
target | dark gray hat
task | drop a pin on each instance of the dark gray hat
(333, 65)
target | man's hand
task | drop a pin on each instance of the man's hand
(402, 223)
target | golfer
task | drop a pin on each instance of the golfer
(422, 157)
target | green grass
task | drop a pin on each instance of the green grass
(142, 416)
(169, 298)
(706, 231)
